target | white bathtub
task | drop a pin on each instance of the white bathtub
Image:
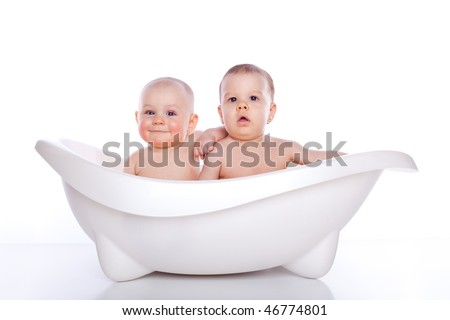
(288, 218)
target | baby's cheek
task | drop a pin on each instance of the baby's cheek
(142, 128)
(175, 127)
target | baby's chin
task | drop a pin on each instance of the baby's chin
(163, 144)
(160, 144)
(242, 135)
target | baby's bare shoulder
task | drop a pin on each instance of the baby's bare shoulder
(131, 162)
(285, 143)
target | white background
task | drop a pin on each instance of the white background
(375, 73)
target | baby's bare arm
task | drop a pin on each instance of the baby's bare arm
(130, 164)
(303, 155)
(207, 139)
(211, 166)
(209, 173)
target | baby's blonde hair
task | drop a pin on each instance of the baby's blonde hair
(250, 68)
(170, 80)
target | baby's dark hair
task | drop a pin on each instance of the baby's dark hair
(250, 68)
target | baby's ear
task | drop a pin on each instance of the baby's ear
(136, 116)
(192, 123)
(219, 109)
(272, 111)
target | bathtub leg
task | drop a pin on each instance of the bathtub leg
(316, 262)
(117, 265)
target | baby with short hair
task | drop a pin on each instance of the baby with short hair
(246, 107)
(167, 122)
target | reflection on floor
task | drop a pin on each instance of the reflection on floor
(382, 269)
(273, 284)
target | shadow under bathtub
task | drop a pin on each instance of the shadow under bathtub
(271, 284)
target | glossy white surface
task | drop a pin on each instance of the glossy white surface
(290, 218)
(381, 269)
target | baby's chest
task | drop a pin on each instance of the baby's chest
(178, 166)
(246, 162)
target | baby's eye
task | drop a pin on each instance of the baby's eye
(171, 113)
(149, 112)
(253, 98)
(232, 99)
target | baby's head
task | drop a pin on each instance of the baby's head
(165, 115)
(246, 102)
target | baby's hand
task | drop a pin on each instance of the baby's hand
(204, 144)
(206, 140)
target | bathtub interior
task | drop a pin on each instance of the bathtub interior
(88, 152)
(75, 161)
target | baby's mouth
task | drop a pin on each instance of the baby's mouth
(243, 119)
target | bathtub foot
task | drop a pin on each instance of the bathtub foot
(316, 262)
(117, 265)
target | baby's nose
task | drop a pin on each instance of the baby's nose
(158, 120)
(242, 106)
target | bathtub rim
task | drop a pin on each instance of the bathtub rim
(209, 193)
